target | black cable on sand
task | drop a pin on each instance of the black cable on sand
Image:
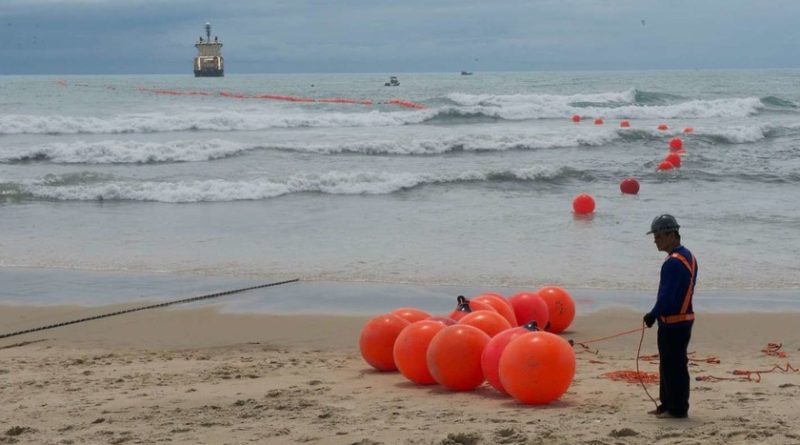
(152, 306)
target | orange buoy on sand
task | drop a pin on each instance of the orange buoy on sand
(489, 322)
(500, 304)
(674, 159)
(599, 121)
(560, 306)
(665, 165)
(583, 204)
(454, 357)
(447, 321)
(624, 124)
(629, 186)
(377, 340)
(576, 118)
(411, 350)
(528, 307)
(411, 314)
(663, 127)
(537, 368)
(490, 359)
(675, 144)
(464, 306)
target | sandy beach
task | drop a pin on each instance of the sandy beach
(198, 376)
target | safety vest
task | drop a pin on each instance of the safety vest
(684, 314)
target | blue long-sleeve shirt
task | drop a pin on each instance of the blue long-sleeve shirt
(675, 280)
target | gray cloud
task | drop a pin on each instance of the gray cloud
(137, 36)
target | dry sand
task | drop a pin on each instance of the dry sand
(196, 376)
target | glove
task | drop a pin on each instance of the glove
(649, 319)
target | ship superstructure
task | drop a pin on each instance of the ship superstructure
(209, 61)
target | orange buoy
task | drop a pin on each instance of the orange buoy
(624, 124)
(663, 127)
(560, 306)
(411, 350)
(688, 130)
(674, 159)
(489, 322)
(665, 165)
(490, 359)
(447, 321)
(576, 118)
(500, 304)
(598, 121)
(629, 186)
(528, 307)
(377, 341)
(411, 314)
(464, 306)
(454, 357)
(675, 144)
(583, 204)
(537, 368)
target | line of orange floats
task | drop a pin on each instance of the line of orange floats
(584, 203)
(511, 343)
(285, 98)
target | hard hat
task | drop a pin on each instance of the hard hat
(664, 223)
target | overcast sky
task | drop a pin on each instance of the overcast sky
(279, 36)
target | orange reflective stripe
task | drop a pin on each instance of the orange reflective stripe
(687, 299)
(676, 318)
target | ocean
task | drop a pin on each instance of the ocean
(446, 180)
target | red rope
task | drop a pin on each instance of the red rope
(754, 375)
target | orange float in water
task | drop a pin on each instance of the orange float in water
(490, 359)
(464, 307)
(629, 186)
(675, 144)
(528, 307)
(665, 165)
(576, 118)
(663, 127)
(598, 121)
(537, 368)
(489, 322)
(454, 357)
(560, 306)
(688, 130)
(674, 159)
(411, 350)
(583, 204)
(624, 124)
(411, 314)
(377, 341)
(500, 304)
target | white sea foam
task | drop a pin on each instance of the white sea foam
(467, 142)
(549, 99)
(510, 107)
(333, 182)
(122, 151)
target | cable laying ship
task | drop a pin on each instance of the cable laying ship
(209, 61)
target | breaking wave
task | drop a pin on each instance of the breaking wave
(124, 152)
(90, 187)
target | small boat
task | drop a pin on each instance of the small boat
(393, 82)
(466, 73)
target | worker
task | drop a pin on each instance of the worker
(673, 310)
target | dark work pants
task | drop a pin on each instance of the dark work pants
(673, 343)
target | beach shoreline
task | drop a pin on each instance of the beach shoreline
(200, 375)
